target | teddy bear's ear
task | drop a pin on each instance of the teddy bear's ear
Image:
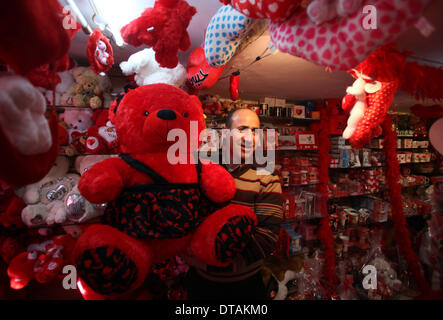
(197, 101)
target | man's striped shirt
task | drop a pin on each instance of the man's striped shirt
(262, 194)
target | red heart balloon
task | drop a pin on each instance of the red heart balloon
(201, 75)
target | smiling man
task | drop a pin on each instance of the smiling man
(260, 192)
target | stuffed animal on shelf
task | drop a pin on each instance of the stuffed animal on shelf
(102, 137)
(41, 261)
(88, 93)
(146, 70)
(210, 104)
(157, 208)
(78, 121)
(163, 28)
(100, 91)
(44, 199)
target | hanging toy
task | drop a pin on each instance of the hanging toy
(163, 28)
(341, 42)
(201, 75)
(224, 34)
(234, 81)
(99, 52)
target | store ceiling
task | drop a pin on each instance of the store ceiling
(279, 75)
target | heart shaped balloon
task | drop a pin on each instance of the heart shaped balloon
(342, 43)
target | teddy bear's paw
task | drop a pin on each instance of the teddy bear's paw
(107, 270)
(233, 237)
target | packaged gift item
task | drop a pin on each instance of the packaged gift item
(306, 140)
(298, 111)
(288, 206)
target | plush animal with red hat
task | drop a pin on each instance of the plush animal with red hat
(157, 206)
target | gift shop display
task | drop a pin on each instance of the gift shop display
(115, 138)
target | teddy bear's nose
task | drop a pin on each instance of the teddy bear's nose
(166, 114)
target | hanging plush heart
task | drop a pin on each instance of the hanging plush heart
(33, 33)
(343, 42)
(99, 51)
(201, 75)
(276, 10)
(234, 81)
(224, 34)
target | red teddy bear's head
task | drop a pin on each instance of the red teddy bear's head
(146, 115)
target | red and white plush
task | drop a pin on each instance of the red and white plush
(27, 140)
(211, 104)
(343, 42)
(275, 10)
(78, 121)
(41, 261)
(102, 137)
(129, 241)
(99, 52)
(146, 70)
(163, 28)
(377, 79)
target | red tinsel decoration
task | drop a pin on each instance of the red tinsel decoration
(324, 232)
(394, 187)
(427, 112)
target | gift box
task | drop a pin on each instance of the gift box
(298, 111)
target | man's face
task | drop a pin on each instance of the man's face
(244, 139)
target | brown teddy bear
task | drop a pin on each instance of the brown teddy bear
(88, 93)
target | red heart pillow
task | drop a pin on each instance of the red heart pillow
(342, 43)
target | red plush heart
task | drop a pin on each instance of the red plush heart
(343, 43)
(201, 75)
(99, 51)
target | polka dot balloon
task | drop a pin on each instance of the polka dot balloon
(224, 34)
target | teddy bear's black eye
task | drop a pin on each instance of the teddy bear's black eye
(145, 113)
(79, 121)
(185, 114)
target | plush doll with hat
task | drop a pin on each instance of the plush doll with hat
(157, 207)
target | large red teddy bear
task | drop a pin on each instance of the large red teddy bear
(155, 208)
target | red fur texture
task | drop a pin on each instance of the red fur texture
(142, 129)
(163, 28)
(401, 232)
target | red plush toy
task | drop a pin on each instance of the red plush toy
(156, 209)
(99, 51)
(163, 28)
(42, 261)
(43, 29)
(102, 138)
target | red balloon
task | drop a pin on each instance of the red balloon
(200, 74)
